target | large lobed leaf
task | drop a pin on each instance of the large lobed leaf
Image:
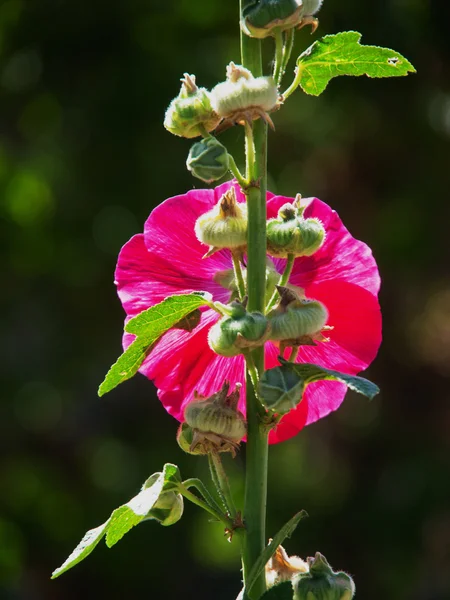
(342, 54)
(123, 518)
(148, 327)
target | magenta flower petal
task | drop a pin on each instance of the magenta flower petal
(167, 259)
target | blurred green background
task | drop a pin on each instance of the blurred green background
(83, 159)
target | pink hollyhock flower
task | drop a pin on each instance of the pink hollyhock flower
(167, 259)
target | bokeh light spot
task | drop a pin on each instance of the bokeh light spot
(28, 198)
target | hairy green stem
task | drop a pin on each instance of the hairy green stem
(221, 480)
(200, 487)
(283, 280)
(199, 502)
(235, 257)
(236, 172)
(279, 52)
(256, 447)
(294, 85)
(287, 49)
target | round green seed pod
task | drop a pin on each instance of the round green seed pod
(223, 421)
(298, 319)
(241, 91)
(191, 113)
(208, 160)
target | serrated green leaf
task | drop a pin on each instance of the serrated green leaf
(148, 327)
(84, 548)
(311, 373)
(282, 591)
(342, 54)
(124, 518)
(286, 531)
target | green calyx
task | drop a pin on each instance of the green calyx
(190, 114)
(322, 583)
(266, 17)
(213, 424)
(208, 160)
(295, 319)
(225, 226)
(242, 94)
(238, 330)
(291, 233)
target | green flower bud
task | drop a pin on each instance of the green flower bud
(322, 583)
(168, 509)
(208, 160)
(190, 113)
(266, 17)
(225, 226)
(296, 318)
(291, 233)
(213, 424)
(244, 97)
(240, 330)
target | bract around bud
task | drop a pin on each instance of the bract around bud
(322, 583)
(282, 567)
(213, 424)
(280, 389)
(225, 226)
(266, 17)
(208, 160)
(168, 509)
(243, 97)
(190, 114)
(238, 331)
(291, 233)
(295, 318)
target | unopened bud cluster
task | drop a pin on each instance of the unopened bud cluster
(291, 233)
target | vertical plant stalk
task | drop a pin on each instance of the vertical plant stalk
(257, 447)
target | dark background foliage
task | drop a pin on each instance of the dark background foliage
(83, 159)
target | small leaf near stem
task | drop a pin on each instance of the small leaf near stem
(235, 257)
(283, 280)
